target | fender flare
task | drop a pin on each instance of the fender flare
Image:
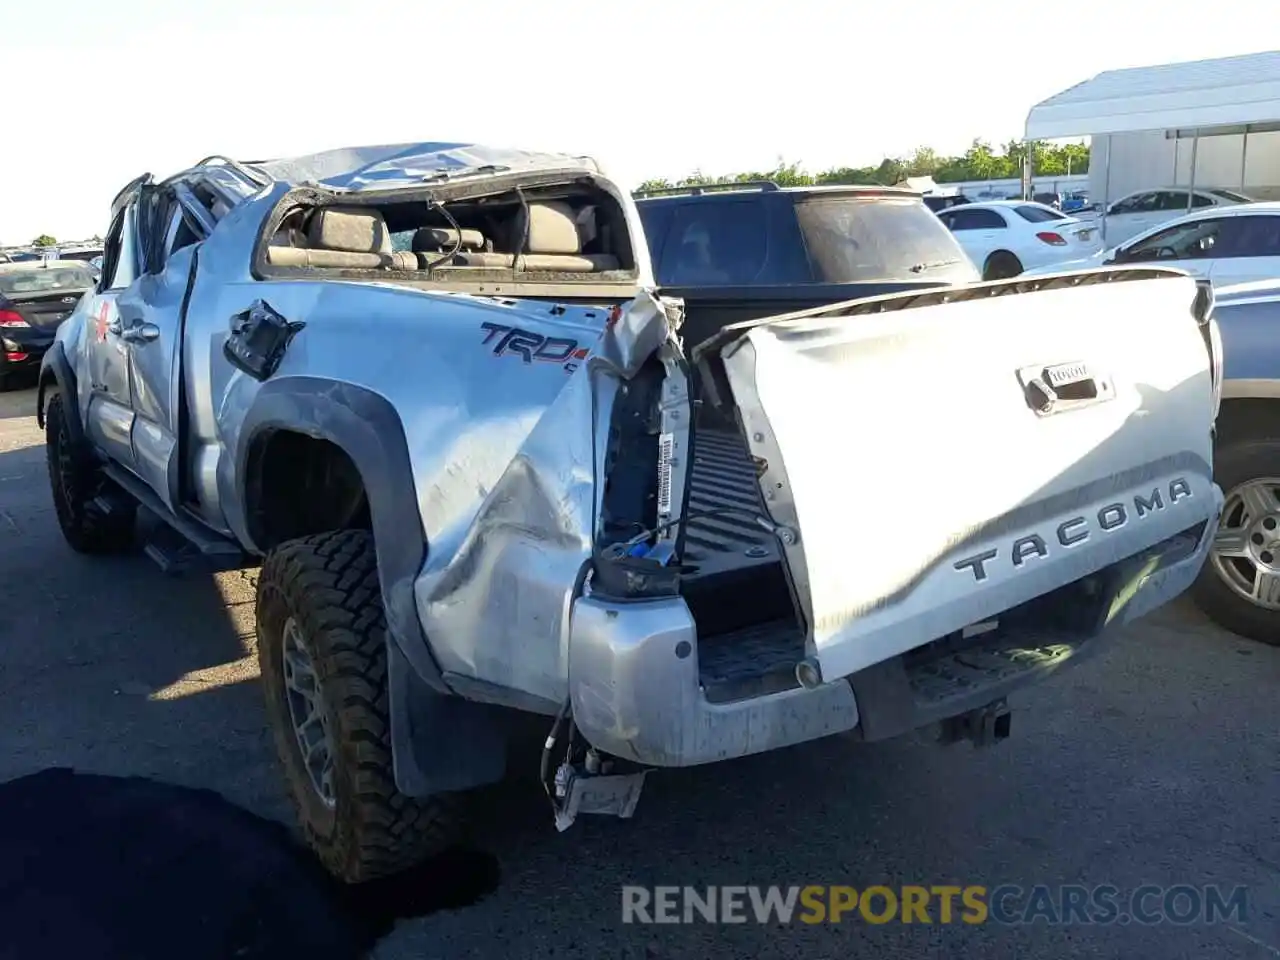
(56, 368)
(369, 430)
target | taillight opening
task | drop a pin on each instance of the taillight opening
(10, 318)
(1202, 309)
(1051, 238)
(1215, 363)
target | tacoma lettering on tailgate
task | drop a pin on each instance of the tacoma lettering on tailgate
(1078, 529)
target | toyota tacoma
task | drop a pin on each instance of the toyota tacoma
(431, 390)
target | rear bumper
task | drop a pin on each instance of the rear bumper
(636, 692)
(29, 343)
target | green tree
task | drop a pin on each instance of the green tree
(890, 171)
(924, 162)
(697, 178)
(1075, 157)
(865, 175)
(980, 162)
(984, 164)
(650, 185)
(44, 240)
(789, 175)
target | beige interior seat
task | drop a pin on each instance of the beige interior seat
(344, 237)
(444, 239)
(554, 245)
(356, 238)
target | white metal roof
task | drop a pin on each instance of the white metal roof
(1203, 93)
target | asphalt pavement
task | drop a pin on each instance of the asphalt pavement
(1157, 762)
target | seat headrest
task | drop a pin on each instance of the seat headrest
(433, 239)
(553, 229)
(349, 229)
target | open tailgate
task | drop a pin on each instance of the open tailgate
(925, 477)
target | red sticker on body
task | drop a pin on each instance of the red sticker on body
(100, 324)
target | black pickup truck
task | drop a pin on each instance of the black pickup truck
(742, 251)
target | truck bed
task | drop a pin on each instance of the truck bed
(708, 310)
(749, 640)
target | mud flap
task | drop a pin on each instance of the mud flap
(439, 743)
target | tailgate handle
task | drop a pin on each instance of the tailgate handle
(1063, 386)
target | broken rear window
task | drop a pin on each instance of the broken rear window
(538, 234)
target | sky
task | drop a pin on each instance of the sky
(96, 93)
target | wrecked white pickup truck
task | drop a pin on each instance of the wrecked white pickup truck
(431, 389)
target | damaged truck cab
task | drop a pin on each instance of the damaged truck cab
(432, 390)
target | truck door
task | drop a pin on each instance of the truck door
(1246, 249)
(105, 400)
(151, 327)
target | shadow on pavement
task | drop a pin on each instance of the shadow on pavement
(124, 868)
(18, 402)
(107, 666)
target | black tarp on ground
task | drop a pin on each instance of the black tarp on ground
(113, 868)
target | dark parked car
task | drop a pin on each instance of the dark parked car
(737, 252)
(81, 253)
(34, 299)
(939, 203)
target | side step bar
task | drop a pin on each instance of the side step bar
(193, 540)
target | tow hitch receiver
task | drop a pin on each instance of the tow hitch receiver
(586, 781)
(580, 792)
(984, 726)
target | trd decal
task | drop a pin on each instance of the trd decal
(533, 347)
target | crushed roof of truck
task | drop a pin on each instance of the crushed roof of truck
(401, 164)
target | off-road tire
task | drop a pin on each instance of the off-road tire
(1235, 463)
(75, 480)
(1001, 265)
(329, 584)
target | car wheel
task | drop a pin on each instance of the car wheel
(322, 652)
(1239, 587)
(76, 482)
(1001, 265)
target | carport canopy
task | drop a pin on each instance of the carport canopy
(1199, 95)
